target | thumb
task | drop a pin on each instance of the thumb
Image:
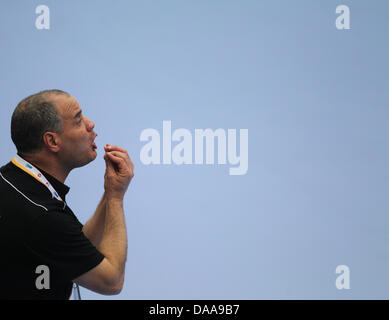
(108, 163)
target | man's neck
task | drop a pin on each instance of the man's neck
(48, 164)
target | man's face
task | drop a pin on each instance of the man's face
(77, 146)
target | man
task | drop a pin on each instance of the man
(44, 248)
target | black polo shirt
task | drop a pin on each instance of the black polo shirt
(38, 230)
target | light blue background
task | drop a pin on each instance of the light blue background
(315, 102)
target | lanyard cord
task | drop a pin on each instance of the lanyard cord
(76, 292)
(35, 173)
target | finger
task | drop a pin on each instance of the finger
(119, 149)
(109, 148)
(118, 161)
(124, 156)
(115, 148)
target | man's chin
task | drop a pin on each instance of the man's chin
(91, 157)
(94, 155)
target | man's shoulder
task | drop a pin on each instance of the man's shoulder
(24, 199)
(8, 167)
(11, 178)
(16, 183)
(4, 183)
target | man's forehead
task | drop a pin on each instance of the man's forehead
(67, 105)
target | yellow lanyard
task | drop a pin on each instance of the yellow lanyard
(35, 173)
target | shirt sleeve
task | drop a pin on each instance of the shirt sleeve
(57, 240)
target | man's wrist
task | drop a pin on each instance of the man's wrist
(113, 198)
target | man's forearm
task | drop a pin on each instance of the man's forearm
(113, 244)
(94, 227)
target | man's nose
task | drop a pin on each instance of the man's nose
(89, 124)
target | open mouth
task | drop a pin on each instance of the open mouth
(94, 146)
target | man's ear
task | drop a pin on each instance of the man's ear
(51, 141)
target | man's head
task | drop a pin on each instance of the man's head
(52, 122)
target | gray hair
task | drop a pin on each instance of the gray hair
(32, 117)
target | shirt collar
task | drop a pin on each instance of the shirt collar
(60, 187)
